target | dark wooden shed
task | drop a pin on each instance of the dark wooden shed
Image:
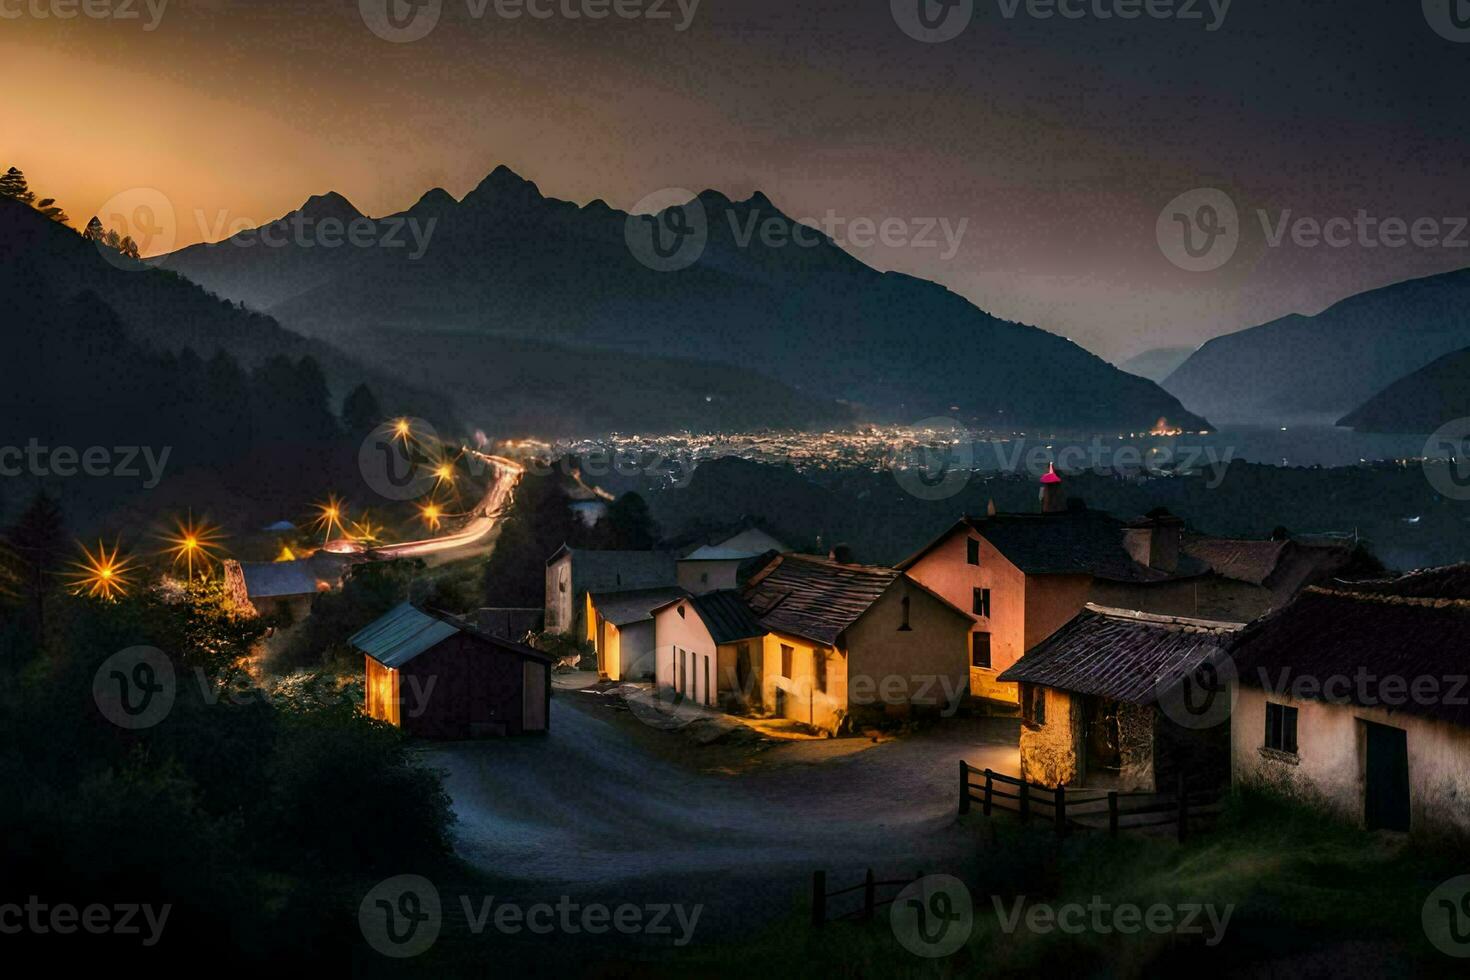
(437, 676)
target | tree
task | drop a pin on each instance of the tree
(52, 210)
(13, 186)
(128, 247)
(541, 522)
(94, 231)
(38, 541)
(630, 524)
(360, 411)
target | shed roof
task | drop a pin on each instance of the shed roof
(273, 579)
(406, 631)
(1120, 654)
(815, 598)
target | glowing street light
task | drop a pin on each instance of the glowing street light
(102, 574)
(192, 541)
(328, 516)
(402, 429)
(432, 514)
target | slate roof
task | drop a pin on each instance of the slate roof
(273, 579)
(406, 631)
(726, 616)
(709, 552)
(1284, 566)
(635, 605)
(1072, 542)
(1244, 561)
(1380, 636)
(1119, 654)
(815, 598)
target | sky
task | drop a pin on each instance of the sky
(1066, 155)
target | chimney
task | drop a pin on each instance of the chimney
(841, 554)
(1053, 499)
(1155, 540)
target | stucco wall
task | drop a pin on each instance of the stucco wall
(673, 632)
(559, 597)
(925, 667)
(1049, 752)
(1330, 767)
(699, 577)
(801, 701)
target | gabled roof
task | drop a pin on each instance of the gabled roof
(1119, 654)
(725, 614)
(1070, 542)
(406, 631)
(815, 598)
(709, 552)
(635, 605)
(1283, 566)
(274, 579)
(1381, 637)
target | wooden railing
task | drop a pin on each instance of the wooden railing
(869, 887)
(1067, 808)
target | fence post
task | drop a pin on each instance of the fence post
(1183, 810)
(964, 788)
(1025, 801)
(989, 784)
(1113, 813)
(870, 895)
(819, 899)
(1060, 806)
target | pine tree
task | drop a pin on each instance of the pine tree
(52, 210)
(94, 231)
(630, 525)
(38, 541)
(13, 186)
(360, 412)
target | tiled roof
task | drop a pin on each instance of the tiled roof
(1244, 561)
(814, 598)
(635, 605)
(726, 616)
(1379, 638)
(1118, 654)
(273, 579)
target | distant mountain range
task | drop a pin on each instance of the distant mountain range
(1158, 363)
(1422, 401)
(1317, 368)
(507, 262)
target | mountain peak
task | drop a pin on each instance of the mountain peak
(504, 186)
(329, 205)
(436, 199)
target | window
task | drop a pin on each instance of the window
(980, 650)
(786, 654)
(972, 551)
(1033, 705)
(708, 693)
(905, 624)
(1280, 728)
(819, 670)
(681, 612)
(980, 602)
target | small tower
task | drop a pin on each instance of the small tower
(1053, 500)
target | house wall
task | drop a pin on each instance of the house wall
(560, 601)
(945, 569)
(1055, 753)
(673, 633)
(1331, 762)
(1049, 752)
(753, 541)
(462, 688)
(380, 692)
(635, 654)
(535, 696)
(699, 577)
(892, 671)
(796, 696)
(1205, 597)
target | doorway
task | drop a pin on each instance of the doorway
(1386, 787)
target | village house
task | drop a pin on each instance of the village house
(278, 589)
(1091, 697)
(1022, 576)
(437, 676)
(620, 629)
(845, 643)
(573, 572)
(1356, 697)
(708, 650)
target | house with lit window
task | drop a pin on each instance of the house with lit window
(1355, 697)
(621, 631)
(1105, 703)
(709, 649)
(573, 572)
(1023, 576)
(845, 643)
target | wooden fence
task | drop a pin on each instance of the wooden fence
(1066, 809)
(870, 902)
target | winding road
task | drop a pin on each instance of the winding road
(483, 517)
